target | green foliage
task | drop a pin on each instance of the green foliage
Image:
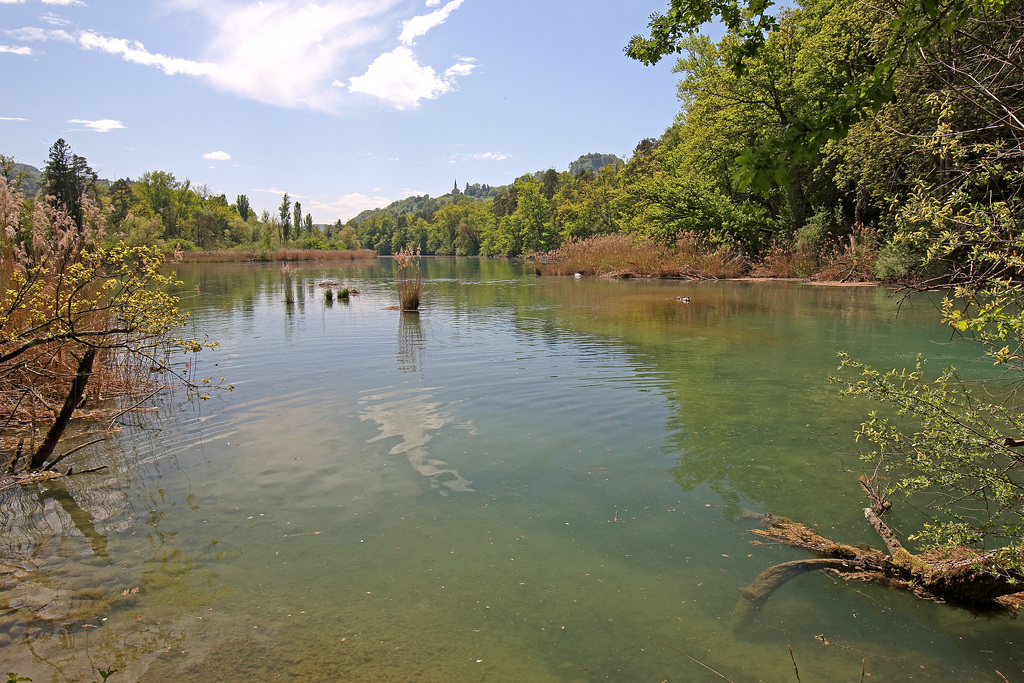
(947, 449)
(593, 162)
(286, 217)
(529, 228)
(68, 179)
(243, 207)
(953, 445)
(683, 18)
(72, 309)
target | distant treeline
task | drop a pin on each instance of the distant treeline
(765, 156)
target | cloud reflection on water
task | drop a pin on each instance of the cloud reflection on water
(412, 416)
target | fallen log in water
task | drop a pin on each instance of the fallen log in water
(960, 576)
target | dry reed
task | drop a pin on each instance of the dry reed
(410, 279)
(621, 255)
(853, 260)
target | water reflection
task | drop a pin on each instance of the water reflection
(412, 416)
(295, 526)
(90, 576)
(411, 342)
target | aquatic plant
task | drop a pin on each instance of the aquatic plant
(410, 279)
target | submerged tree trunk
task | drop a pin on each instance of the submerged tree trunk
(74, 397)
(961, 576)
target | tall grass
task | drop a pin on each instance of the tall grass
(695, 257)
(410, 279)
(621, 255)
(852, 260)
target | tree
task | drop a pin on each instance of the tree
(243, 207)
(74, 315)
(155, 195)
(549, 183)
(120, 201)
(68, 179)
(961, 455)
(948, 446)
(911, 28)
(298, 219)
(285, 211)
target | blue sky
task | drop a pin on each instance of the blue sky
(343, 104)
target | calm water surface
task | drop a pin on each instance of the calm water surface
(533, 479)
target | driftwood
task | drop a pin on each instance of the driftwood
(960, 576)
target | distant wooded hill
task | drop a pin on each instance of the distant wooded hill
(593, 163)
(425, 205)
(31, 179)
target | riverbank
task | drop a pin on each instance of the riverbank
(695, 258)
(263, 255)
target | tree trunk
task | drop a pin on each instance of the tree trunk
(53, 436)
(963, 576)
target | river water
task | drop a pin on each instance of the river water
(532, 479)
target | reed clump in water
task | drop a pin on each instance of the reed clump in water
(410, 279)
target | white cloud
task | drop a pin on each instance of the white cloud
(486, 156)
(478, 156)
(20, 50)
(54, 20)
(30, 33)
(279, 193)
(345, 207)
(418, 26)
(99, 126)
(463, 67)
(135, 52)
(12, 118)
(287, 52)
(217, 156)
(398, 78)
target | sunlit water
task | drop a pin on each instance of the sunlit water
(532, 479)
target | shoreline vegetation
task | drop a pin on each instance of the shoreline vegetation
(696, 258)
(283, 254)
(620, 256)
